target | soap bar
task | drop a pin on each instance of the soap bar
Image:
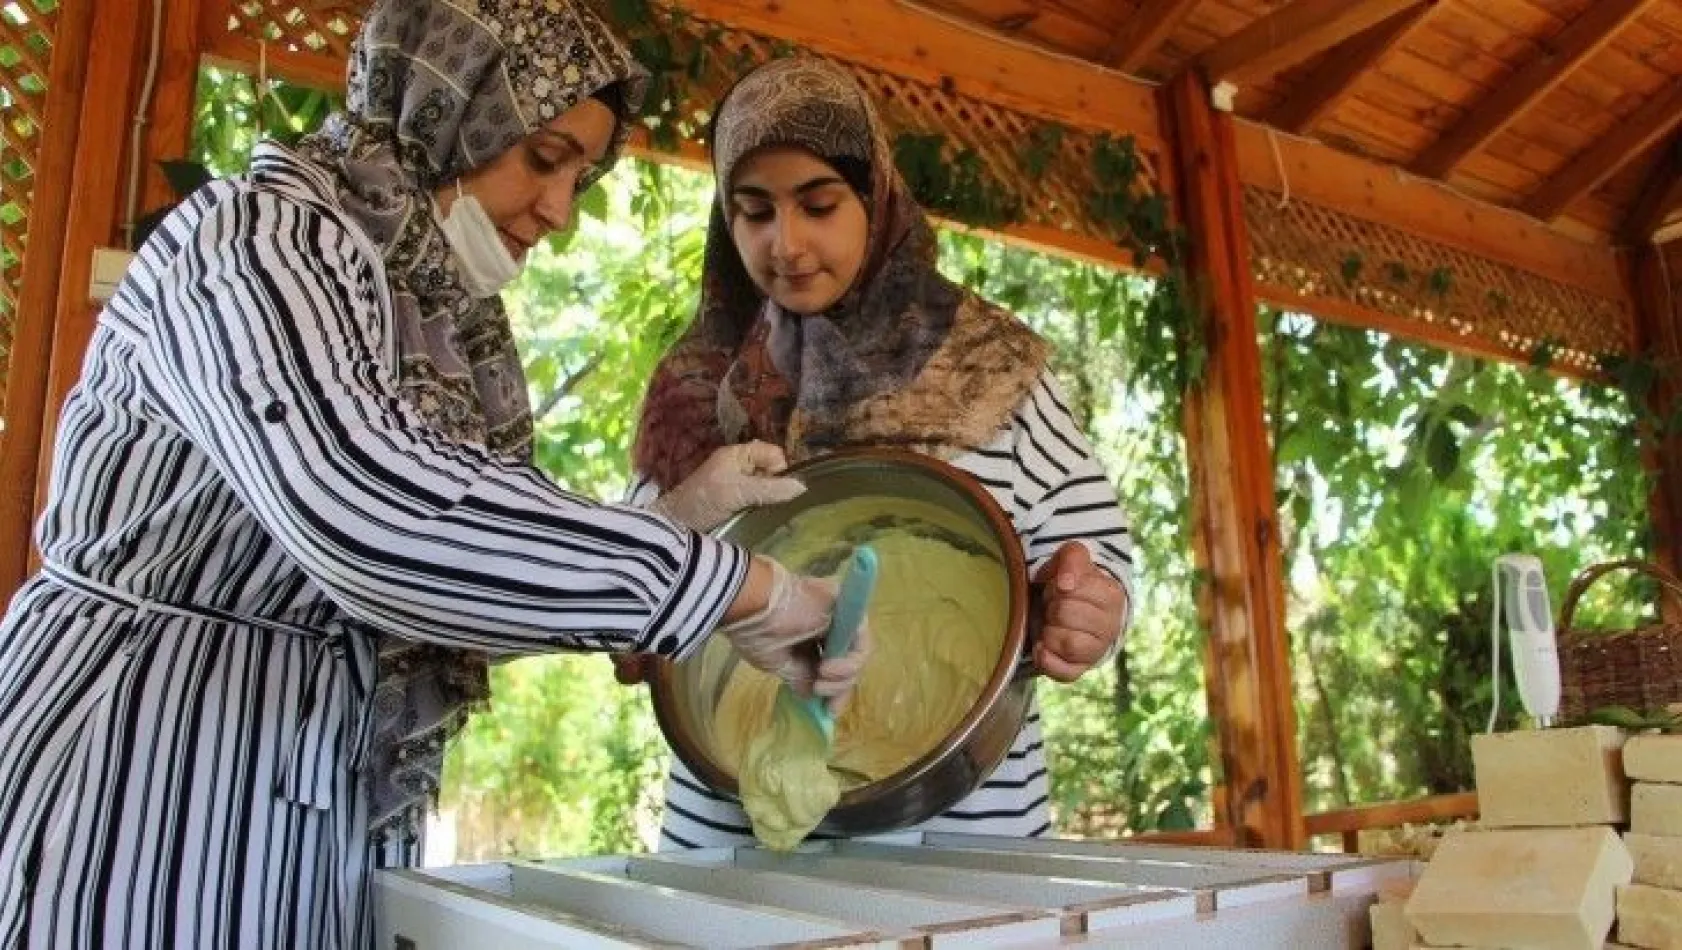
(1390, 928)
(1650, 917)
(1658, 861)
(1656, 809)
(1654, 758)
(1549, 889)
(1545, 778)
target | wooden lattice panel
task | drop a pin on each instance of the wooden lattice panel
(1299, 247)
(1320, 253)
(999, 137)
(314, 26)
(26, 45)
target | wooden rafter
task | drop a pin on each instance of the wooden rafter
(896, 38)
(1374, 191)
(1292, 34)
(1144, 32)
(1321, 91)
(1612, 151)
(1660, 195)
(316, 70)
(1512, 96)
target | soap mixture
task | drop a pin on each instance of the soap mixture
(938, 618)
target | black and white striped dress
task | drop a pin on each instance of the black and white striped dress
(1041, 470)
(240, 500)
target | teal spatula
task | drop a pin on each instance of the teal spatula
(857, 584)
(788, 784)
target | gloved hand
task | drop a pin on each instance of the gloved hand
(783, 639)
(731, 479)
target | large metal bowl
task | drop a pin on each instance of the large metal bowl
(686, 693)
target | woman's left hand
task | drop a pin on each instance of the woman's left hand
(1084, 607)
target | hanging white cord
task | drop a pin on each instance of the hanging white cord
(262, 86)
(1279, 166)
(137, 139)
(1495, 646)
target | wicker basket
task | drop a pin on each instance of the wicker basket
(1640, 669)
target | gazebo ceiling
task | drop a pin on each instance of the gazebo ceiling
(1568, 110)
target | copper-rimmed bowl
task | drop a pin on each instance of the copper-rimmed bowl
(686, 694)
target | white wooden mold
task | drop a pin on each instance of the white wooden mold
(921, 890)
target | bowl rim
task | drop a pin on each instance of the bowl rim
(1005, 671)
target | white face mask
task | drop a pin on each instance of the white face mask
(486, 266)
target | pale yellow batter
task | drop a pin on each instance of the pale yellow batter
(787, 787)
(938, 617)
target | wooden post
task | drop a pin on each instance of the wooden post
(121, 31)
(1658, 324)
(1237, 537)
(169, 133)
(32, 331)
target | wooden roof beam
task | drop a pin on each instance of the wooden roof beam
(1611, 152)
(1660, 196)
(1384, 194)
(1144, 32)
(1324, 89)
(1291, 34)
(896, 38)
(1514, 95)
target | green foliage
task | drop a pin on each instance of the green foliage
(1043, 145)
(1403, 472)
(953, 183)
(565, 762)
(595, 310)
(231, 116)
(1626, 718)
(1128, 746)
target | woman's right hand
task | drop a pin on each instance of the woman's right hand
(776, 623)
(783, 637)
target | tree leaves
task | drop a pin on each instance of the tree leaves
(1626, 718)
(1423, 466)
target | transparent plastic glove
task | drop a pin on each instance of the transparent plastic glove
(838, 675)
(783, 638)
(731, 479)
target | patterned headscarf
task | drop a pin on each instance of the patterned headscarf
(905, 358)
(437, 88)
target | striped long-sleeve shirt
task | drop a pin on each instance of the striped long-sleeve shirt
(1041, 470)
(236, 479)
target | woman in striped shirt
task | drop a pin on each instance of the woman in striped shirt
(292, 512)
(824, 324)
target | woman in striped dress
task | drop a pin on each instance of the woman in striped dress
(824, 324)
(292, 512)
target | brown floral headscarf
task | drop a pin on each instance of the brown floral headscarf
(905, 358)
(437, 88)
